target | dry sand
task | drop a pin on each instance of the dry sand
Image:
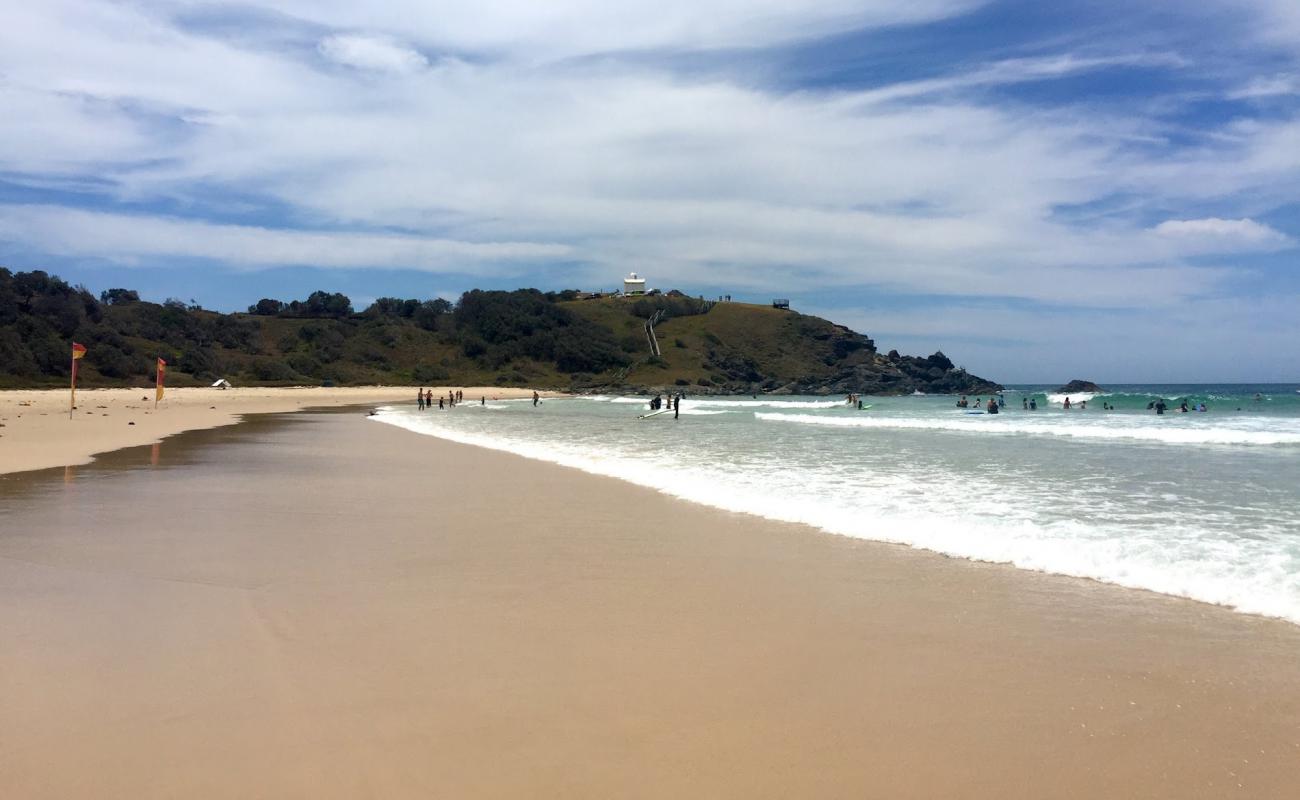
(320, 606)
(36, 431)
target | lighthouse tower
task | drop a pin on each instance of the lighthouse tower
(633, 285)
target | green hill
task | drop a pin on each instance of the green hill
(522, 338)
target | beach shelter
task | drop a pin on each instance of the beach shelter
(221, 383)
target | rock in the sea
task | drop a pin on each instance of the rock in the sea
(1080, 386)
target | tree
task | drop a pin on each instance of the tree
(328, 304)
(117, 297)
(266, 307)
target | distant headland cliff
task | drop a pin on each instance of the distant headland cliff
(568, 340)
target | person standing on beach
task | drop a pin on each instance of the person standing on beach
(677, 406)
(537, 398)
(419, 398)
(439, 402)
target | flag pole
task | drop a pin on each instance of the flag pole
(78, 350)
(158, 382)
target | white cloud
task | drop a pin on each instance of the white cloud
(126, 238)
(1231, 233)
(378, 53)
(694, 181)
(1018, 70)
(563, 28)
(1268, 86)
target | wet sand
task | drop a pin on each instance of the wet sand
(319, 606)
(37, 432)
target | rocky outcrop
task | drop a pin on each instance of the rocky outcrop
(1077, 386)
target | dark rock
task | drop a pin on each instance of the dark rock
(1080, 386)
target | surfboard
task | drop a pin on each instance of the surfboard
(864, 408)
(655, 413)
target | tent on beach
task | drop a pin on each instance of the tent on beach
(222, 383)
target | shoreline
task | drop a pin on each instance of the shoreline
(602, 470)
(448, 619)
(36, 432)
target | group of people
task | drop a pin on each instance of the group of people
(853, 400)
(424, 399)
(996, 404)
(1160, 406)
(674, 404)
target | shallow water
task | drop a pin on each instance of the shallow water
(1199, 505)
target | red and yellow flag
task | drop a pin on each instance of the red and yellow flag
(162, 372)
(78, 352)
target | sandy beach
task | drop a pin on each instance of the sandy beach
(316, 605)
(37, 432)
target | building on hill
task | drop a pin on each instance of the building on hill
(633, 285)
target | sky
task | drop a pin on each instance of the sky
(1076, 189)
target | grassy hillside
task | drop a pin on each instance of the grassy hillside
(516, 338)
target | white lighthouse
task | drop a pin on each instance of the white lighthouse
(633, 285)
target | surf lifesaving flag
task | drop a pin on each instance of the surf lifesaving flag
(162, 373)
(78, 352)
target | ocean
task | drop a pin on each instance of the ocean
(1203, 505)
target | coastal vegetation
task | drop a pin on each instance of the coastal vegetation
(564, 340)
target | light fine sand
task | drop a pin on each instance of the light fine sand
(37, 432)
(322, 606)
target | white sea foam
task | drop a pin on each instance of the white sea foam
(1258, 574)
(1077, 397)
(767, 403)
(1170, 430)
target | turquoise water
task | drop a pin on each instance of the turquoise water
(1199, 505)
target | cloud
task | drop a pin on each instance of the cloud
(1268, 86)
(1019, 70)
(567, 28)
(127, 238)
(611, 165)
(368, 52)
(1225, 233)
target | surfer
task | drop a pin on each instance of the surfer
(1024, 403)
(1067, 404)
(536, 399)
(1033, 404)
(1160, 406)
